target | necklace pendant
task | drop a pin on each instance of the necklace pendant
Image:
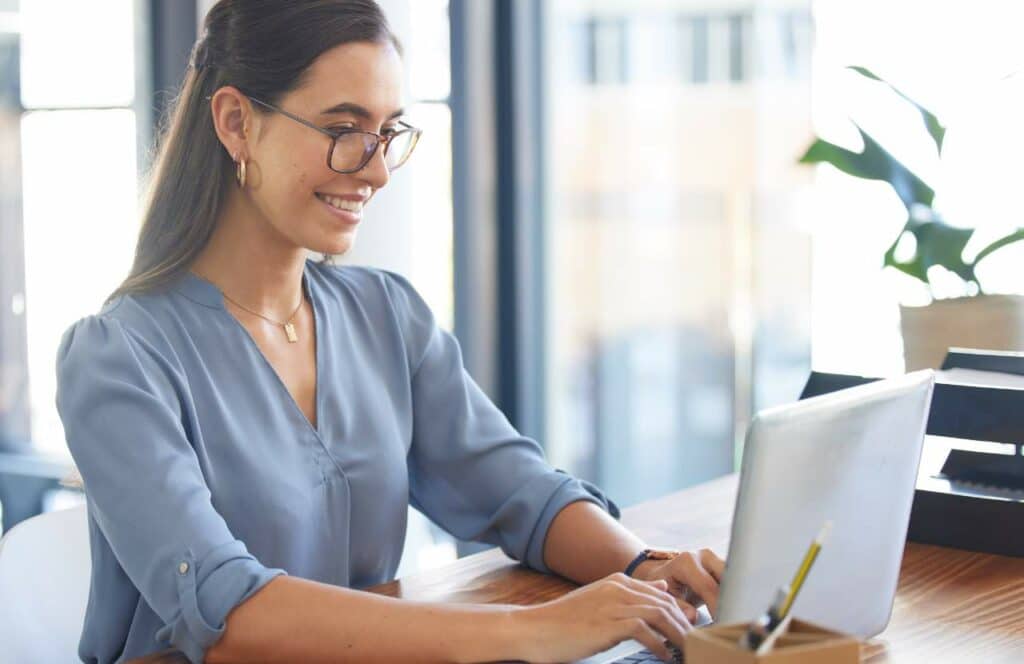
(289, 329)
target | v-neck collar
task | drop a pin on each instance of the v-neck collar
(206, 293)
(200, 290)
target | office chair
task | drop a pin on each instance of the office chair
(44, 586)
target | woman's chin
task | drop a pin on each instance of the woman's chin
(335, 246)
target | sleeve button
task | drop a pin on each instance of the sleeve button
(183, 568)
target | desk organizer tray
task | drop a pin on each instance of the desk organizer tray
(803, 643)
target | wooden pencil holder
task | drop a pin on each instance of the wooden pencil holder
(803, 643)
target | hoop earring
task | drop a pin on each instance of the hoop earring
(240, 173)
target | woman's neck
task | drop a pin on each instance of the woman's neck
(251, 262)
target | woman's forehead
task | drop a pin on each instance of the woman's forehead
(361, 74)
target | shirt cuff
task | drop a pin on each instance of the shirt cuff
(208, 590)
(571, 490)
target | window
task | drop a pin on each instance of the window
(409, 227)
(607, 48)
(797, 29)
(431, 171)
(70, 240)
(737, 48)
(699, 44)
(677, 276)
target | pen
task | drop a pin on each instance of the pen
(760, 629)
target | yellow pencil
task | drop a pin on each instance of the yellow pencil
(805, 567)
(761, 630)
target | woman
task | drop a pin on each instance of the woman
(251, 426)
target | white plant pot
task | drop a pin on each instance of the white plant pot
(988, 322)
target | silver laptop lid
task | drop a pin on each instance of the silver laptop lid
(849, 457)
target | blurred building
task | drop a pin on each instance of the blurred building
(680, 275)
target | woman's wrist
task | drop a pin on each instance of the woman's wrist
(496, 633)
(648, 560)
(643, 571)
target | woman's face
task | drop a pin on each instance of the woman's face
(356, 85)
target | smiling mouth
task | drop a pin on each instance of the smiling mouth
(356, 207)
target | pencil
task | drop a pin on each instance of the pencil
(805, 567)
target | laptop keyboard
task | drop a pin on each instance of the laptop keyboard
(645, 656)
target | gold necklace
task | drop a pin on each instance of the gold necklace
(289, 329)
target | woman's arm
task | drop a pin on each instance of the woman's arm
(295, 620)
(585, 543)
(292, 619)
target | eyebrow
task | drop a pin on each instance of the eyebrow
(357, 110)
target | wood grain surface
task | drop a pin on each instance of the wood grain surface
(951, 605)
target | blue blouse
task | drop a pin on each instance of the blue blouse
(205, 480)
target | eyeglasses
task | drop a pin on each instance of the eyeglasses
(352, 149)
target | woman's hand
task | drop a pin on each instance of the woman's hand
(692, 576)
(600, 615)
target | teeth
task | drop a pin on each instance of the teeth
(341, 204)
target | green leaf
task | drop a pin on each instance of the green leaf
(872, 163)
(1015, 236)
(938, 243)
(931, 123)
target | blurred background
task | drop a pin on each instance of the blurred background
(606, 207)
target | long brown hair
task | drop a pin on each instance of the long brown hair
(264, 48)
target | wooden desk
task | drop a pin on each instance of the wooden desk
(951, 605)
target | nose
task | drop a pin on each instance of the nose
(375, 173)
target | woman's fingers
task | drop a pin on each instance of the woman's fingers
(712, 563)
(667, 623)
(656, 588)
(643, 596)
(689, 610)
(642, 632)
(688, 570)
(659, 590)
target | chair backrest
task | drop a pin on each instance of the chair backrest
(44, 587)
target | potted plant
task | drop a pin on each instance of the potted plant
(976, 319)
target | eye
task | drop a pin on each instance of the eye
(338, 130)
(387, 131)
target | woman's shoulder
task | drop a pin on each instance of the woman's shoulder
(101, 355)
(126, 326)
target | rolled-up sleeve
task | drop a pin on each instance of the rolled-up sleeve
(469, 469)
(120, 402)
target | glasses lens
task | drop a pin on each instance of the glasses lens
(399, 148)
(352, 150)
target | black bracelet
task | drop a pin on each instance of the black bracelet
(631, 567)
(649, 554)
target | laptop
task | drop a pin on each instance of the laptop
(849, 457)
